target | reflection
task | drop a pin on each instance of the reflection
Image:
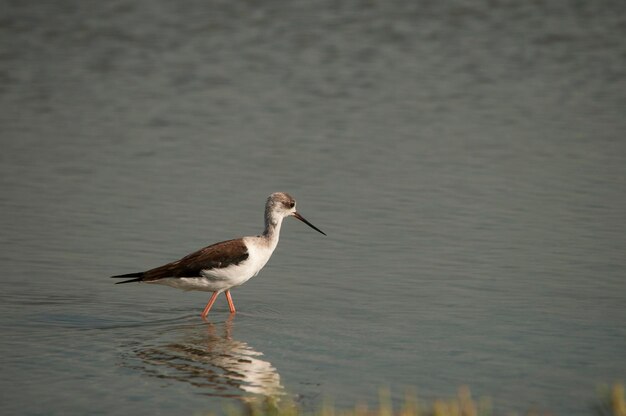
(212, 360)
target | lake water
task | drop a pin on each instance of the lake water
(466, 159)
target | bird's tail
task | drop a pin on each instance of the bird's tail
(138, 277)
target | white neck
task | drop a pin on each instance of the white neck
(271, 233)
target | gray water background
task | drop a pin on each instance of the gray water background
(467, 160)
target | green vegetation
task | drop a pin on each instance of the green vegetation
(611, 403)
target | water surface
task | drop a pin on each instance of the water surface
(467, 161)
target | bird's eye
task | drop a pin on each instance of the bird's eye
(292, 204)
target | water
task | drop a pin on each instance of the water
(467, 161)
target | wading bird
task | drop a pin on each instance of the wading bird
(222, 266)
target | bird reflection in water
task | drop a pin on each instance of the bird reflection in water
(216, 363)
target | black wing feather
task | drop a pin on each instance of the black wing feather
(215, 256)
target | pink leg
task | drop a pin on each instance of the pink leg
(206, 310)
(231, 305)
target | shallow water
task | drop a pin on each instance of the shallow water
(466, 160)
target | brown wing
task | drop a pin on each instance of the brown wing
(215, 256)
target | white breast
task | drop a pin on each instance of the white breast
(259, 253)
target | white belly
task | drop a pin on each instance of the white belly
(219, 280)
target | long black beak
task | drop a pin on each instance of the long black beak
(301, 218)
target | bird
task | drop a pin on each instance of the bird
(221, 266)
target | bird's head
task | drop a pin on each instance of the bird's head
(280, 205)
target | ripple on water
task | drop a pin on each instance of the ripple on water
(206, 356)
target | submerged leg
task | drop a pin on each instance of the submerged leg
(231, 305)
(206, 310)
